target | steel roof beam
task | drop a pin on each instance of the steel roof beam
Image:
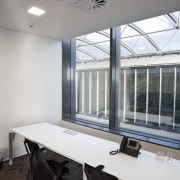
(141, 32)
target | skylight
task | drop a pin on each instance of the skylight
(155, 36)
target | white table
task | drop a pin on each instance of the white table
(95, 151)
(145, 167)
(74, 145)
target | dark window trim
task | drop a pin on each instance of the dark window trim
(114, 76)
(68, 78)
(68, 94)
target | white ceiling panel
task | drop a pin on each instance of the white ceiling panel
(63, 20)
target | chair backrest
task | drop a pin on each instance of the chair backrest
(39, 169)
(29, 145)
(58, 168)
(93, 173)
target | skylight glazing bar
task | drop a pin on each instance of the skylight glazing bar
(133, 26)
(128, 49)
(94, 44)
(169, 39)
(87, 53)
(172, 19)
(104, 34)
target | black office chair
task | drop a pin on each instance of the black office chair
(94, 173)
(39, 168)
(57, 167)
(29, 145)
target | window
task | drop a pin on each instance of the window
(92, 76)
(136, 93)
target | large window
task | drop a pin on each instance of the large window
(92, 76)
(136, 93)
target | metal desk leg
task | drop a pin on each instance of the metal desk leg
(11, 138)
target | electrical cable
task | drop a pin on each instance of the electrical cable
(114, 152)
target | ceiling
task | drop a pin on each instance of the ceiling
(64, 20)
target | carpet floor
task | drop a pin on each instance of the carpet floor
(19, 169)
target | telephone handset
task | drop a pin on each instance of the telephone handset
(123, 143)
(130, 147)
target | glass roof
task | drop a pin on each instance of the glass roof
(155, 36)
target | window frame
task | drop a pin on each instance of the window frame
(68, 94)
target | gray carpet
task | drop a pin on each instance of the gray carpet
(20, 168)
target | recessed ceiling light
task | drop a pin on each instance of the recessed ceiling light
(36, 11)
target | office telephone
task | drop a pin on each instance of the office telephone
(130, 147)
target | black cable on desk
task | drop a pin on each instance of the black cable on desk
(114, 152)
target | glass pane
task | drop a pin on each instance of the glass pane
(173, 43)
(167, 102)
(153, 97)
(96, 37)
(127, 31)
(79, 90)
(167, 41)
(121, 96)
(127, 95)
(177, 15)
(103, 95)
(94, 46)
(158, 35)
(125, 52)
(83, 56)
(140, 45)
(80, 41)
(177, 110)
(160, 23)
(141, 95)
(93, 93)
(92, 79)
(96, 50)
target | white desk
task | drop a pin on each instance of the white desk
(78, 146)
(74, 145)
(95, 151)
(145, 167)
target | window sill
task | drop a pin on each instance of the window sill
(171, 143)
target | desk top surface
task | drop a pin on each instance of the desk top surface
(145, 167)
(95, 151)
(74, 145)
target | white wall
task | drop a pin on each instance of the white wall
(30, 83)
